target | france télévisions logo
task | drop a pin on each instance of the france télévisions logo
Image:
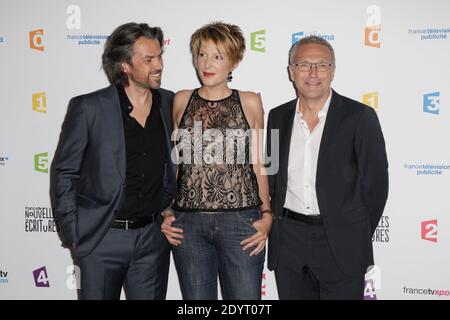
(74, 19)
(427, 168)
(429, 230)
(296, 36)
(431, 102)
(2, 40)
(41, 277)
(430, 33)
(3, 277)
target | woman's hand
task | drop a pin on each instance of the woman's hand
(173, 235)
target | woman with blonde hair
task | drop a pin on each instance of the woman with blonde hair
(220, 219)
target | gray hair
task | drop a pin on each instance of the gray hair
(308, 40)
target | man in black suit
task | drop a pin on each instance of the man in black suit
(112, 174)
(332, 184)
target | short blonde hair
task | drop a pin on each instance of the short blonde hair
(227, 37)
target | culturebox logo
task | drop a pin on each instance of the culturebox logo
(3, 277)
(372, 282)
(430, 33)
(37, 39)
(2, 40)
(41, 279)
(39, 219)
(41, 162)
(431, 102)
(39, 102)
(258, 41)
(429, 230)
(381, 233)
(296, 36)
(372, 34)
(371, 99)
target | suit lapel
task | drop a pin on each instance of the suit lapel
(113, 117)
(165, 115)
(332, 123)
(286, 124)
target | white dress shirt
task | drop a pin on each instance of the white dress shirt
(302, 167)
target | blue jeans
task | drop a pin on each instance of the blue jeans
(210, 248)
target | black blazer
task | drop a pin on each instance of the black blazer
(88, 170)
(351, 180)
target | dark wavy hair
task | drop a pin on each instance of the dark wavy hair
(119, 49)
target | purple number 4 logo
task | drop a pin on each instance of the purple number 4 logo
(41, 277)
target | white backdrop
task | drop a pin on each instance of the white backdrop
(392, 55)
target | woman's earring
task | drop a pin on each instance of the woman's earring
(230, 77)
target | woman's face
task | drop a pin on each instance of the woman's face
(213, 65)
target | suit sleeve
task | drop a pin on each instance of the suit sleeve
(271, 177)
(372, 165)
(66, 167)
(169, 182)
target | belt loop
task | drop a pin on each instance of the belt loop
(126, 224)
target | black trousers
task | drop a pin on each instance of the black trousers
(136, 259)
(307, 269)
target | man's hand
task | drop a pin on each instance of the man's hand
(259, 239)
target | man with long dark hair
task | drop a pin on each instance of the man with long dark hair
(112, 175)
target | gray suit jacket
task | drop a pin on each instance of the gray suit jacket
(88, 170)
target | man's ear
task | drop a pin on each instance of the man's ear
(125, 67)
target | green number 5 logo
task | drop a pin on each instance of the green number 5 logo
(41, 162)
(258, 41)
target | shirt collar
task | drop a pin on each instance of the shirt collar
(126, 105)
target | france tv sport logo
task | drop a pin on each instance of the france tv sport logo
(41, 278)
(429, 230)
(372, 36)
(431, 102)
(39, 101)
(36, 39)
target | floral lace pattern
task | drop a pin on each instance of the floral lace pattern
(220, 175)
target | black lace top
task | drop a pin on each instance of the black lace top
(215, 173)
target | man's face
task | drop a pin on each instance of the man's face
(312, 84)
(146, 65)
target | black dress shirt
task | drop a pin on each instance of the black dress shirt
(146, 154)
